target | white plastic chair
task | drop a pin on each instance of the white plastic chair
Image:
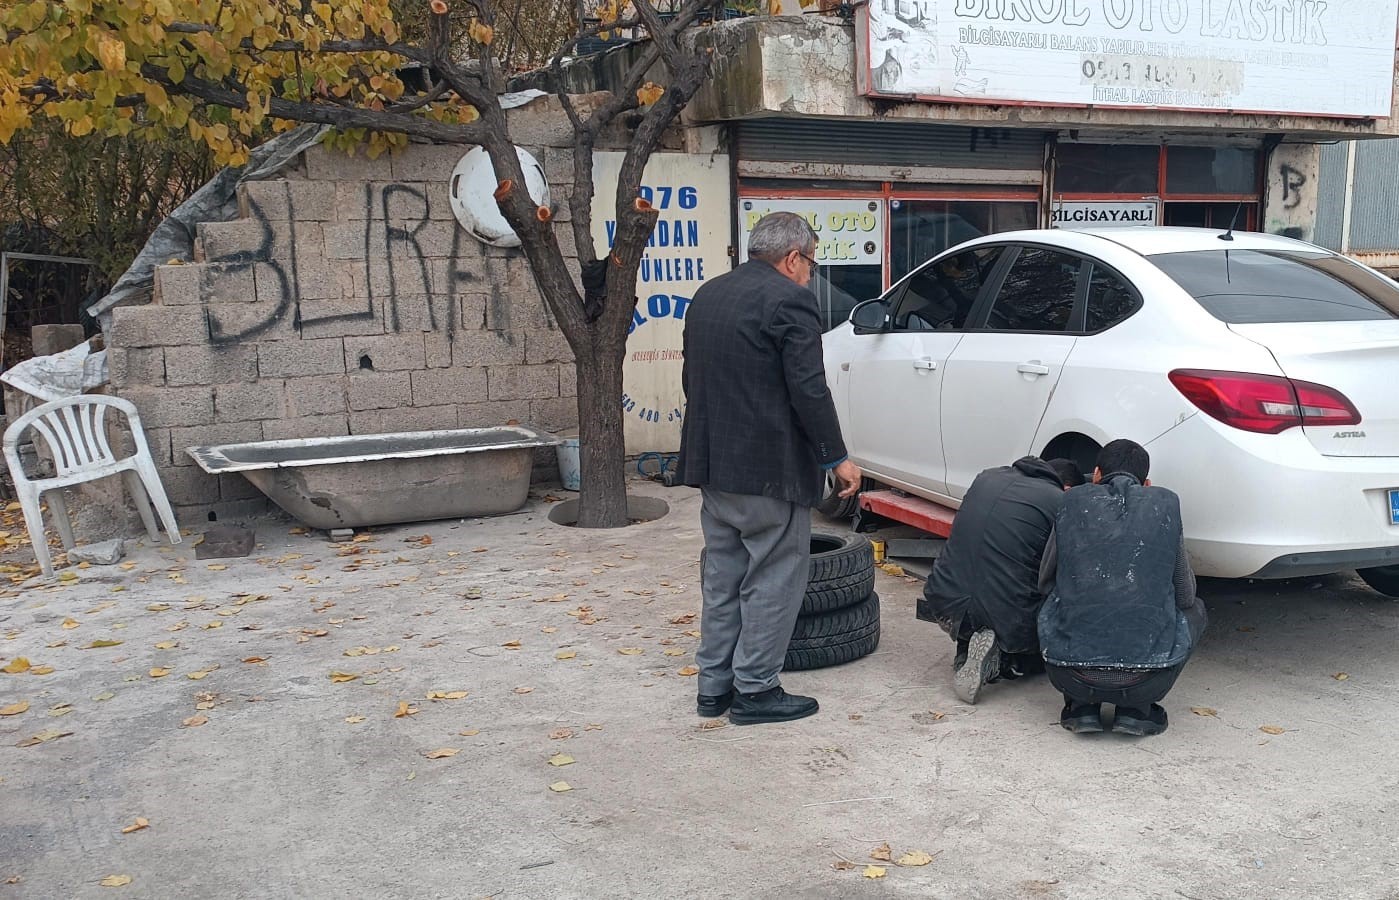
(75, 430)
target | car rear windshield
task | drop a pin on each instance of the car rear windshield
(1257, 286)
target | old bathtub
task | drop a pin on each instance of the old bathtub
(378, 479)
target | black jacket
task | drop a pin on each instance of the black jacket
(759, 418)
(988, 572)
(1117, 582)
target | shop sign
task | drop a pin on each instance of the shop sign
(1098, 213)
(849, 232)
(1267, 56)
(689, 245)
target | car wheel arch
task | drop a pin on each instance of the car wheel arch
(1075, 445)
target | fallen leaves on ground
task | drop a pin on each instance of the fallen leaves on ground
(688, 671)
(511, 645)
(1272, 729)
(105, 695)
(914, 858)
(442, 752)
(559, 734)
(178, 626)
(405, 710)
(14, 709)
(157, 607)
(115, 881)
(43, 737)
(159, 672)
(139, 825)
(342, 677)
(210, 626)
(882, 853)
(561, 759)
(16, 666)
(167, 645)
(62, 709)
(523, 690)
(675, 652)
(559, 787)
(194, 721)
(469, 732)
(1204, 711)
(1340, 676)
(686, 619)
(253, 660)
(102, 642)
(874, 872)
(201, 674)
(630, 651)
(842, 865)
(565, 654)
(354, 720)
(71, 623)
(713, 724)
(446, 695)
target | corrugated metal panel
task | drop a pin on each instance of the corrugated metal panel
(1331, 196)
(1374, 219)
(890, 143)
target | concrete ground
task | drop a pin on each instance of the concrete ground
(220, 721)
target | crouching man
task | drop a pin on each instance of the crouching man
(984, 588)
(1120, 616)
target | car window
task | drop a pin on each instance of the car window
(940, 295)
(1110, 300)
(1038, 292)
(1256, 286)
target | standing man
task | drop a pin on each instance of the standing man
(760, 426)
(1120, 616)
(984, 588)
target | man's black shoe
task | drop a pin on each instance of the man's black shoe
(1082, 718)
(1140, 722)
(711, 705)
(960, 658)
(774, 705)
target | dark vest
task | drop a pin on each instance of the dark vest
(1114, 603)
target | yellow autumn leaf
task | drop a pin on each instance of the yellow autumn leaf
(674, 652)
(158, 607)
(102, 642)
(874, 872)
(115, 881)
(915, 858)
(404, 710)
(159, 672)
(469, 732)
(354, 720)
(342, 677)
(209, 626)
(41, 670)
(217, 567)
(446, 695)
(511, 645)
(43, 737)
(1272, 729)
(688, 671)
(167, 645)
(71, 623)
(565, 654)
(1340, 676)
(561, 759)
(523, 690)
(200, 675)
(14, 709)
(1204, 711)
(16, 666)
(882, 853)
(559, 787)
(254, 660)
(138, 825)
(631, 651)
(480, 32)
(649, 93)
(194, 721)
(442, 752)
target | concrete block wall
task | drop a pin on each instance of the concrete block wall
(345, 300)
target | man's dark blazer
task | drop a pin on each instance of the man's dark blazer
(759, 417)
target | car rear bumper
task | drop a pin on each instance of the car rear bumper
(1271, 506)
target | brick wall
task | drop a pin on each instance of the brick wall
(345, 300)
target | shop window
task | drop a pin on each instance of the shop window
(921, 229)
(1106, 169)
(941, 295)
(839, 289)
(1110, 300)
(1038, 293)
(1211, 170)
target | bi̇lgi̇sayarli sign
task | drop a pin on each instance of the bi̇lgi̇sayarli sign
(1302, 57)
(690, 245)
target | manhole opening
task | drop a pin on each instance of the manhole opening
(639, 511)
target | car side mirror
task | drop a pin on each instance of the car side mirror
(870, 317)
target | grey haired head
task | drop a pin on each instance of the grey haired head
(778, 234)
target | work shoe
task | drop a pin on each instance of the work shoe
(1140, 722)
(1082, 718)
(711, 705)
(775, 705)
(983, 663)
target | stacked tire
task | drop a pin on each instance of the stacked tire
(839, 619)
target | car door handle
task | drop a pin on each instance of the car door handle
(1032, 368)
(928, 364)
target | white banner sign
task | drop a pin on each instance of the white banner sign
(1305, 57)
(690, 245)
(849, 232)
(1096, 213)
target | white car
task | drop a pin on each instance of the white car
(1261, 373)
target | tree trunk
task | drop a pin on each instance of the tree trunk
(602, 450)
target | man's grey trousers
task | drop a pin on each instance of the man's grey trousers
(757, 554)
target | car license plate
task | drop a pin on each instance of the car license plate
(1394, 507)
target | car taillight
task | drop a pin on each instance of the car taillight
(1267, 404)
